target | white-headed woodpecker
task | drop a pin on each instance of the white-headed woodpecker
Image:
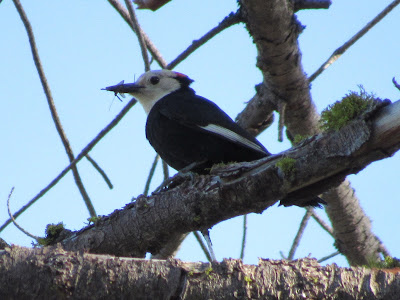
(187, 130)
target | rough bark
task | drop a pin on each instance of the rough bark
(231, 190)
(275, 30)
(53, 273)
(351, 232)
(258, 113)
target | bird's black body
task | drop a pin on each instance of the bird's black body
(189, 131)
(174, 129)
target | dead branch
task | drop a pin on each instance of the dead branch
(342, 49)
(322, 161)
(228, 21)
(299, 234)
(52, 107)
(150, 46)
(83, 153)
(275, 29)
(139, 33)
(100, 170)
(15, 222)
(311, 4)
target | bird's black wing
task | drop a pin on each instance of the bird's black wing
(197, 112)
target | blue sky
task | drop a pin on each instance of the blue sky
(85, 47)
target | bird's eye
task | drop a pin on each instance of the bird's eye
(154, 80)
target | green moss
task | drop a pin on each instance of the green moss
(52, 233)
(287, 165)
(299, 138)
(248, 279)
(208, 271)
(197, 219)
(94, 219)
(315, 280)
(340, 113)
(388, 263)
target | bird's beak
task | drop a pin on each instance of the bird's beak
(124, 88)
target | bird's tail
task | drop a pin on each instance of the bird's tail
(301, 201)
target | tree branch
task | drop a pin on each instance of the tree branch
(274, 29)
(150, 46)
(52, 107)
(100, 170)
(322, 161)
(139, 33)
(299, 234)
(311, 4)
(47, 273)
(231, 19)
(15, 222)
(83, 153)
(342, 49)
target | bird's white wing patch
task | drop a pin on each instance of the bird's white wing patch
(232, 136)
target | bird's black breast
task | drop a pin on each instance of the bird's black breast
(174, 130)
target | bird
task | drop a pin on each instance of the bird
(188, 131)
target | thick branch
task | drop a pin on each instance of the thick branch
(57, 274)
(274, 29)
(320, 163)
(258, 113)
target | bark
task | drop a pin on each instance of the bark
(53, 273)
(321, 162)
(258, 113)
(353, 229)
(275, 30)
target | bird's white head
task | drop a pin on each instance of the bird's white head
(152, 86)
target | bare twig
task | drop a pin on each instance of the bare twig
(281, 124)
(202, 245)
(231, 19)
(139, 34)
(52, 107)
(165, 171)
(75, 161)
(150, 46)
(339, 51)
(100, 170)
(151, 174)
(396, 84)
(15, 222)
(321, 222)
(150, 4)
(311, 4)
(328, 256)
(243, 237)
(384, 250)
(299, 234)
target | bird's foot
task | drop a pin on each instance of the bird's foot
(184, 174)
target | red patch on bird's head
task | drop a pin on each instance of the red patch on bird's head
(183, 79)
(180, 74)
